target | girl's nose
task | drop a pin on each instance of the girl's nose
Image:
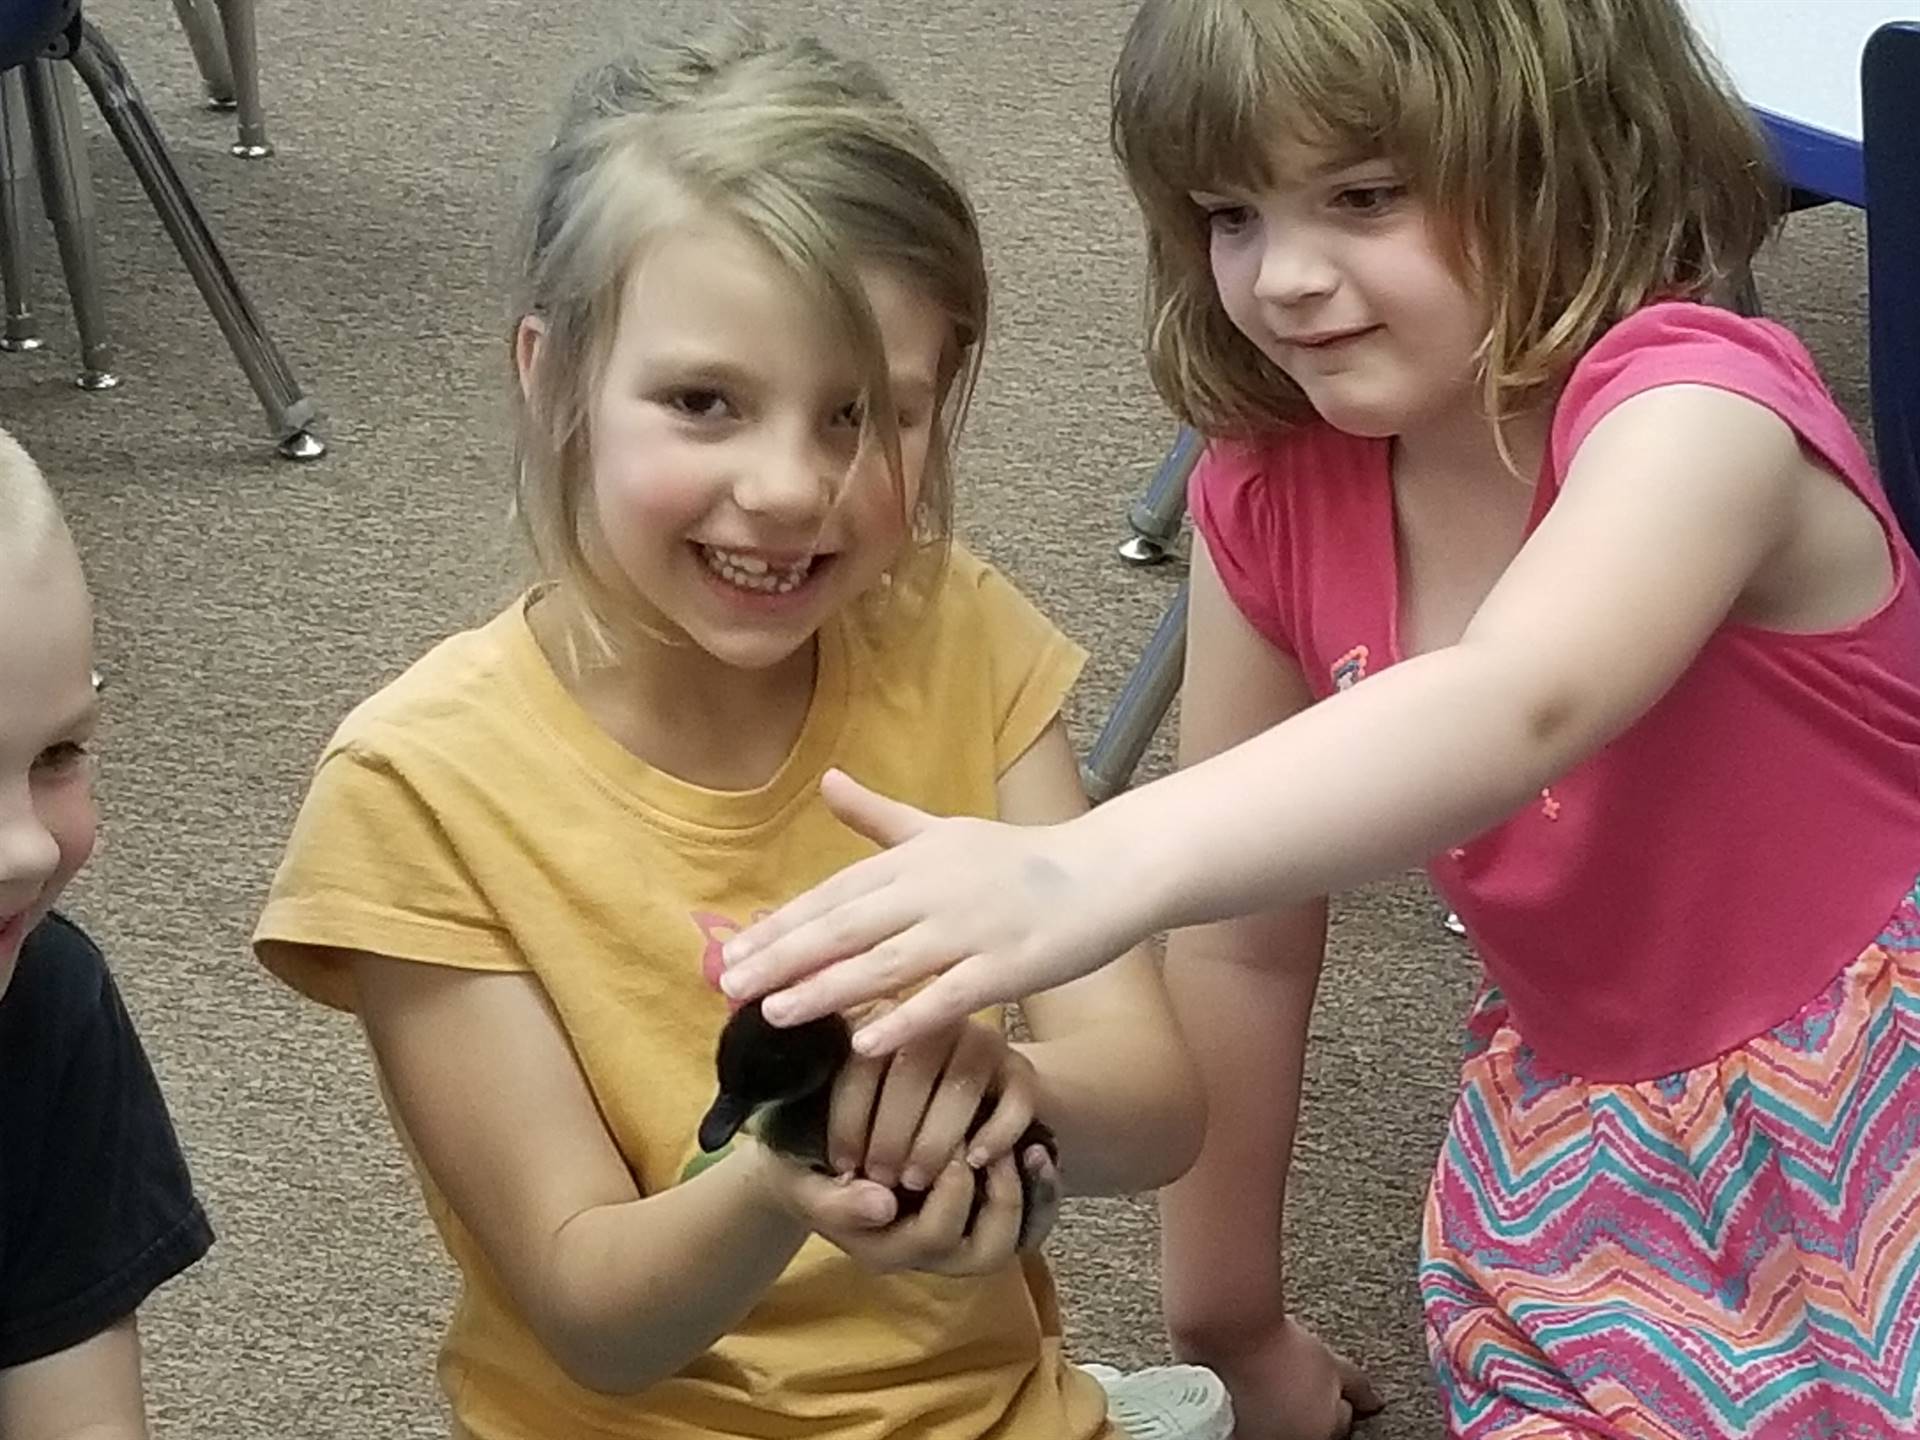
(1293, 268)
(794, 479)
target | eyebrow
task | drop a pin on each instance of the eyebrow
(691, 367)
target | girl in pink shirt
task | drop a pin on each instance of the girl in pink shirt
(1517, 559)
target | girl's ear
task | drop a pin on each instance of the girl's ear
(528, 337)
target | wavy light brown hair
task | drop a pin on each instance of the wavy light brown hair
(1580, 158)
(804, 150)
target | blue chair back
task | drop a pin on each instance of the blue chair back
(1890, 90)
(28, 26)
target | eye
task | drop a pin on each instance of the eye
(1369, 200)
(1225, 217)
(851, 415)
(699, 403)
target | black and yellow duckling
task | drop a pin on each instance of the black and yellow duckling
(777, 1083)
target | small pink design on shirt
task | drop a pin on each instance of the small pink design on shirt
(1351, 668)
(718, 929)
(1457, 853)
(1549, 806)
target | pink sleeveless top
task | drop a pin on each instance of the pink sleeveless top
(1710, 871)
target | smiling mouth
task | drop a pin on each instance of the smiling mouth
(760, 574)
(1323, 341)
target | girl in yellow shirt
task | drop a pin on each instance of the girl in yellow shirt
(753, 301)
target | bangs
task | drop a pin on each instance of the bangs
(1216, 95)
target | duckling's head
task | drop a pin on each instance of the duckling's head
(763, 1064)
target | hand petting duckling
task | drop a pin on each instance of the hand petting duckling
(934, 1150)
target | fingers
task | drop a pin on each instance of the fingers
(850, 1112)
(1040, 1202)
(806, 933)
(939, 1239)
(829, 1203)
(995, 1236)
(911, 1080)
(1356, 1388)
(928, 1240)
(971, 1069)
(883, 821)
(798, 939)
(948, 1000)
(1012, 1113)
(870, 947)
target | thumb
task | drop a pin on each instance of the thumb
(845, 1205)
(885, 822)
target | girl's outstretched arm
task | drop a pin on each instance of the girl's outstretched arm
(1674, 504)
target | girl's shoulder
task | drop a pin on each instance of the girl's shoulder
(966, 649)
(1235, 466)
(454, 683)
(953, 599)
(1685, 343)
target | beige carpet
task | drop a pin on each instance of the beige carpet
(245, 603)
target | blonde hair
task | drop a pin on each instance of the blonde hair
(1580, 158)
(805, 151)
(28, 511)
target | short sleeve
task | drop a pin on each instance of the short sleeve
(1234, 509)
(1032, 664)
(369, 867)
(102, 1212)
(1687, 344)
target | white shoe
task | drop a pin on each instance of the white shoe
(1167, 1402)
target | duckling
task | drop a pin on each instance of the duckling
(778, 1083)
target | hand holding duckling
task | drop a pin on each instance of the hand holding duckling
(907, 1162)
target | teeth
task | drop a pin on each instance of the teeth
(752, 572)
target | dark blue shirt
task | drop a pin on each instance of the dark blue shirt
(96, 1208)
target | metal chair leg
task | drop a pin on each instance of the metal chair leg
(289, 410)
(209, 52)
(66, 187)
(1156, 518)
(16, 181)
(243, 50)
(1143, 704)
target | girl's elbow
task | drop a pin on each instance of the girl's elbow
(595, 1354)
(604, 1367)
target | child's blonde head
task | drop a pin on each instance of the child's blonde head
(803, 150)
(29, 515)
(1579, 158)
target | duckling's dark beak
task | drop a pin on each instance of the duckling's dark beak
(723, 1121)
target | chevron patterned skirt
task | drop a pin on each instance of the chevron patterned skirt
(1729, 1251)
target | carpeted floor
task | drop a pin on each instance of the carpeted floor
(245, 603)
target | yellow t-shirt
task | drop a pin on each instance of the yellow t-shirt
(471, 814)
